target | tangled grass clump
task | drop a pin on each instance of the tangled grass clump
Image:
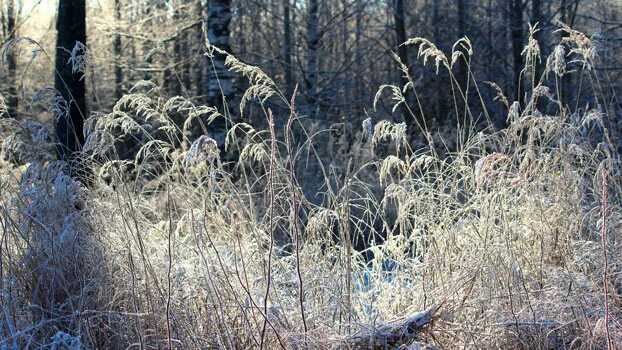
(511, 240)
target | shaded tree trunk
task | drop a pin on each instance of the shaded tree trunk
(173, 73)
(220, 90)
(515, 9)
(199, 68)
(346, 58)
(116, 45)
(287, 46)
(220, 93)
(399, 16)
(240, 23)
(439, 107)
(184, 57)
(12, 101)
(462, 75)
(313, 42)
(170, 83)
(360, 10)
(536, 17)
(537, 20)
(400, 31)
(71, 28)
(568, 12)
(146, 46)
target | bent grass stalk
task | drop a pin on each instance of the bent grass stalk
(495, 229)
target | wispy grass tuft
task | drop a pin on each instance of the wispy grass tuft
(508, 240)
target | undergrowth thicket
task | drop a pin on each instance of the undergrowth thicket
(514, 235)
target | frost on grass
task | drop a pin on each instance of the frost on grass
(504, 235)
(26, 141)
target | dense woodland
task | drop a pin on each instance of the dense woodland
(400, 174)
(338, 52)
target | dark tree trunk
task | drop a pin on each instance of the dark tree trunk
(346, 58)
(399, 16)
(400, 30)
(536, 17)
(567, 16)
(71, 28)
(287, 46)
(313, 43)
(515, 9)
(220, 89)
(462, 71)
(118, 71)
(220, 93)
(146, 46)
(360, 10)
(439, 107)
(240, 23)
(174, 63)
(185, 63)
(537, 20)
(199, 69)
(172, 74)
(12, 101)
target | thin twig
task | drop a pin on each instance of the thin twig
(603, 236)
(271, 220)
(170, 268)
(295, 208)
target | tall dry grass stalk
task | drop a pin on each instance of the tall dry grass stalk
(511, 235)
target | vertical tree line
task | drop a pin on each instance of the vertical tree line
(515, 11)
(116, 44)
(337, 51)
(399, 14)
(8, 19)
(313, 38)
(71, 111)
(220, 89)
